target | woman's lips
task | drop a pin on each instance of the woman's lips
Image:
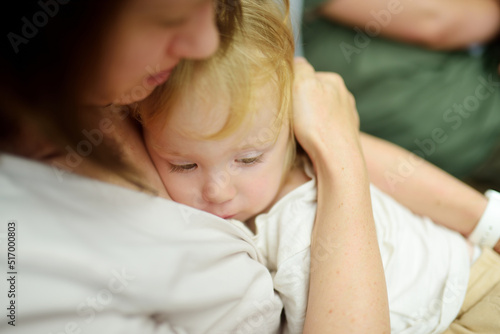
(159, 78)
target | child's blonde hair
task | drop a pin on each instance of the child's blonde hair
(262, 51)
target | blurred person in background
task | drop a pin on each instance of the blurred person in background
(423, 73)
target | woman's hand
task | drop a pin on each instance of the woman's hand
(322, 106)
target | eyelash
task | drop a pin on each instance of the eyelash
(250, 161)
(190, 167)
(182, 168)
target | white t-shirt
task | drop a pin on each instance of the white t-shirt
(92, 257)
(426, 265)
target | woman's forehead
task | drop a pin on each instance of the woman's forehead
(168, 7)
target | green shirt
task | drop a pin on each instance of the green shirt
(443, 106)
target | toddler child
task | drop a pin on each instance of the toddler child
(227, 147)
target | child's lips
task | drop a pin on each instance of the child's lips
(227, 216)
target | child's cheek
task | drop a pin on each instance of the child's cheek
(259, 185)
(265, 186)
(178, 190)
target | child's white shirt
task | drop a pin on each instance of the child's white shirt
(426, 265)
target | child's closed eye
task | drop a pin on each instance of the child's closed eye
(182, 168)
(250, 160)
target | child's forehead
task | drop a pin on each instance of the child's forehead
(204, 112)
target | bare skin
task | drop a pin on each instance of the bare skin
(427, 190)
(441, 25)
(347, 287)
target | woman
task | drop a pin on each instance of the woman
(93, 256)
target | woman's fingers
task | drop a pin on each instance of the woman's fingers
(323, 107)
(302, 68)
(337, 85)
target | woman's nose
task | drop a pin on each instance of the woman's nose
(199, 38)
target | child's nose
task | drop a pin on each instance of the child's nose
(218, 193)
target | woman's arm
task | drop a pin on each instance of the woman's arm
(437, 24)
(347, 291)
(422, 187)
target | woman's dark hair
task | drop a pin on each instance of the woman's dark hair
(50, 49)
(491, 55)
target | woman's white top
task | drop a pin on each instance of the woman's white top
(92, 257)
(426, 265)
